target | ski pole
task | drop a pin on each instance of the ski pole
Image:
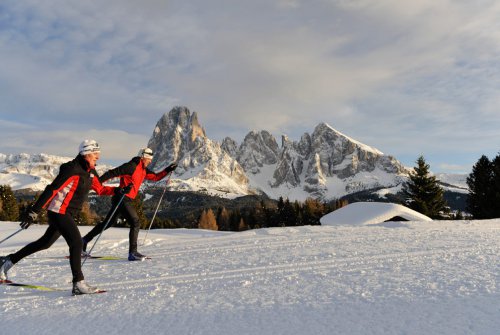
(5, 239)
(158, 206)
(105, 226)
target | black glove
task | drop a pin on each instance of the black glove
(28, 217)
(171, 167)
(123, 190)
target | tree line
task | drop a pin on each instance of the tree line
(421, 193)
(263, 215)
(483, 201)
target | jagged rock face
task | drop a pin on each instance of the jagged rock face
(325, 154)
(178, 137)
(175, 133)
(230, 146)
(258, 149)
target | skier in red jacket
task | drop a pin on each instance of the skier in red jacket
(63, 199)
(131, 175)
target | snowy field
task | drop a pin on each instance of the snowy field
(390, 278)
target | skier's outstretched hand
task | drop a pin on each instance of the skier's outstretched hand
(171, 167)
(28, 217)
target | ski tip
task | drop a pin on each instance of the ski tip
(5, 281)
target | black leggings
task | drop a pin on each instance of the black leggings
(128, 212)
(59, 224)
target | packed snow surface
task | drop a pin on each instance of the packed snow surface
(437, 277)
(365, 213)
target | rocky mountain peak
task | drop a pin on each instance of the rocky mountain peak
(176, 132)
(202, 163)
(259, 148)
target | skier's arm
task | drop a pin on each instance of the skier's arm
(124, 169)
(99, 188)
(150, 175)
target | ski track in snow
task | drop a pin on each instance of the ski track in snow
(391, 278)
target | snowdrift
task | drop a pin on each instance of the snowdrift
(367, 213)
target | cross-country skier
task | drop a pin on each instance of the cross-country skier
(131, 175)
(63, 199)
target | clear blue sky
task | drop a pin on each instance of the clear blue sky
(409, 78)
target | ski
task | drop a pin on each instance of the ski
(104, 258)
(39, 287)
(34, 287)
(107, 258)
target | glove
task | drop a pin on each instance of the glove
(171, 167)
(27, 218)
(123, 190)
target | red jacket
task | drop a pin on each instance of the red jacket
(133, 172)
(70, 189)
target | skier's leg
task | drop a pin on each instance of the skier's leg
(130, 214)
(69, 230)
(44, 242)
(100, 226)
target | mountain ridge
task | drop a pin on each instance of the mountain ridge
(324, 164)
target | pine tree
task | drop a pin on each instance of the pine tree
(223, 220)
(312, 212)
(480, 181)
(242, 226)
(9, 209)
(423, 193)
(495, 193)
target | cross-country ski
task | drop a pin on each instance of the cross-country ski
(30, 286)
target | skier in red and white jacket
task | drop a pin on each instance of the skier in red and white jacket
(131, 175)
(63, 199)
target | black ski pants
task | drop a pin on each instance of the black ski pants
(59, 224)
(126, 211)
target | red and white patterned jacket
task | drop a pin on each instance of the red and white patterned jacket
(70, 189)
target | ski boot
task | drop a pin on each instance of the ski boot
(5, 265)
(82, 287)
(136, 256)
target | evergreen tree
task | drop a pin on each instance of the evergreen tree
(480, 200)
(495, 193)
(223, 220)
(242, 226)
(312, 212)
(423, 193)
(235, 218)
(9, 209)
(86, 216)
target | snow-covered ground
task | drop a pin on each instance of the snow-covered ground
(389, 278)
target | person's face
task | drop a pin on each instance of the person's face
(92, 158)
(146, 161)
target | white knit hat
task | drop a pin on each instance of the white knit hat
(145, 153)
(88, 147)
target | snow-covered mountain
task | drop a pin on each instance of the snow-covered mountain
(203, 165)
(325, 164)
(34, 172)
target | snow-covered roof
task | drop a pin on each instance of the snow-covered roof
(366, 213)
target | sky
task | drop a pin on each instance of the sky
(408, 78)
